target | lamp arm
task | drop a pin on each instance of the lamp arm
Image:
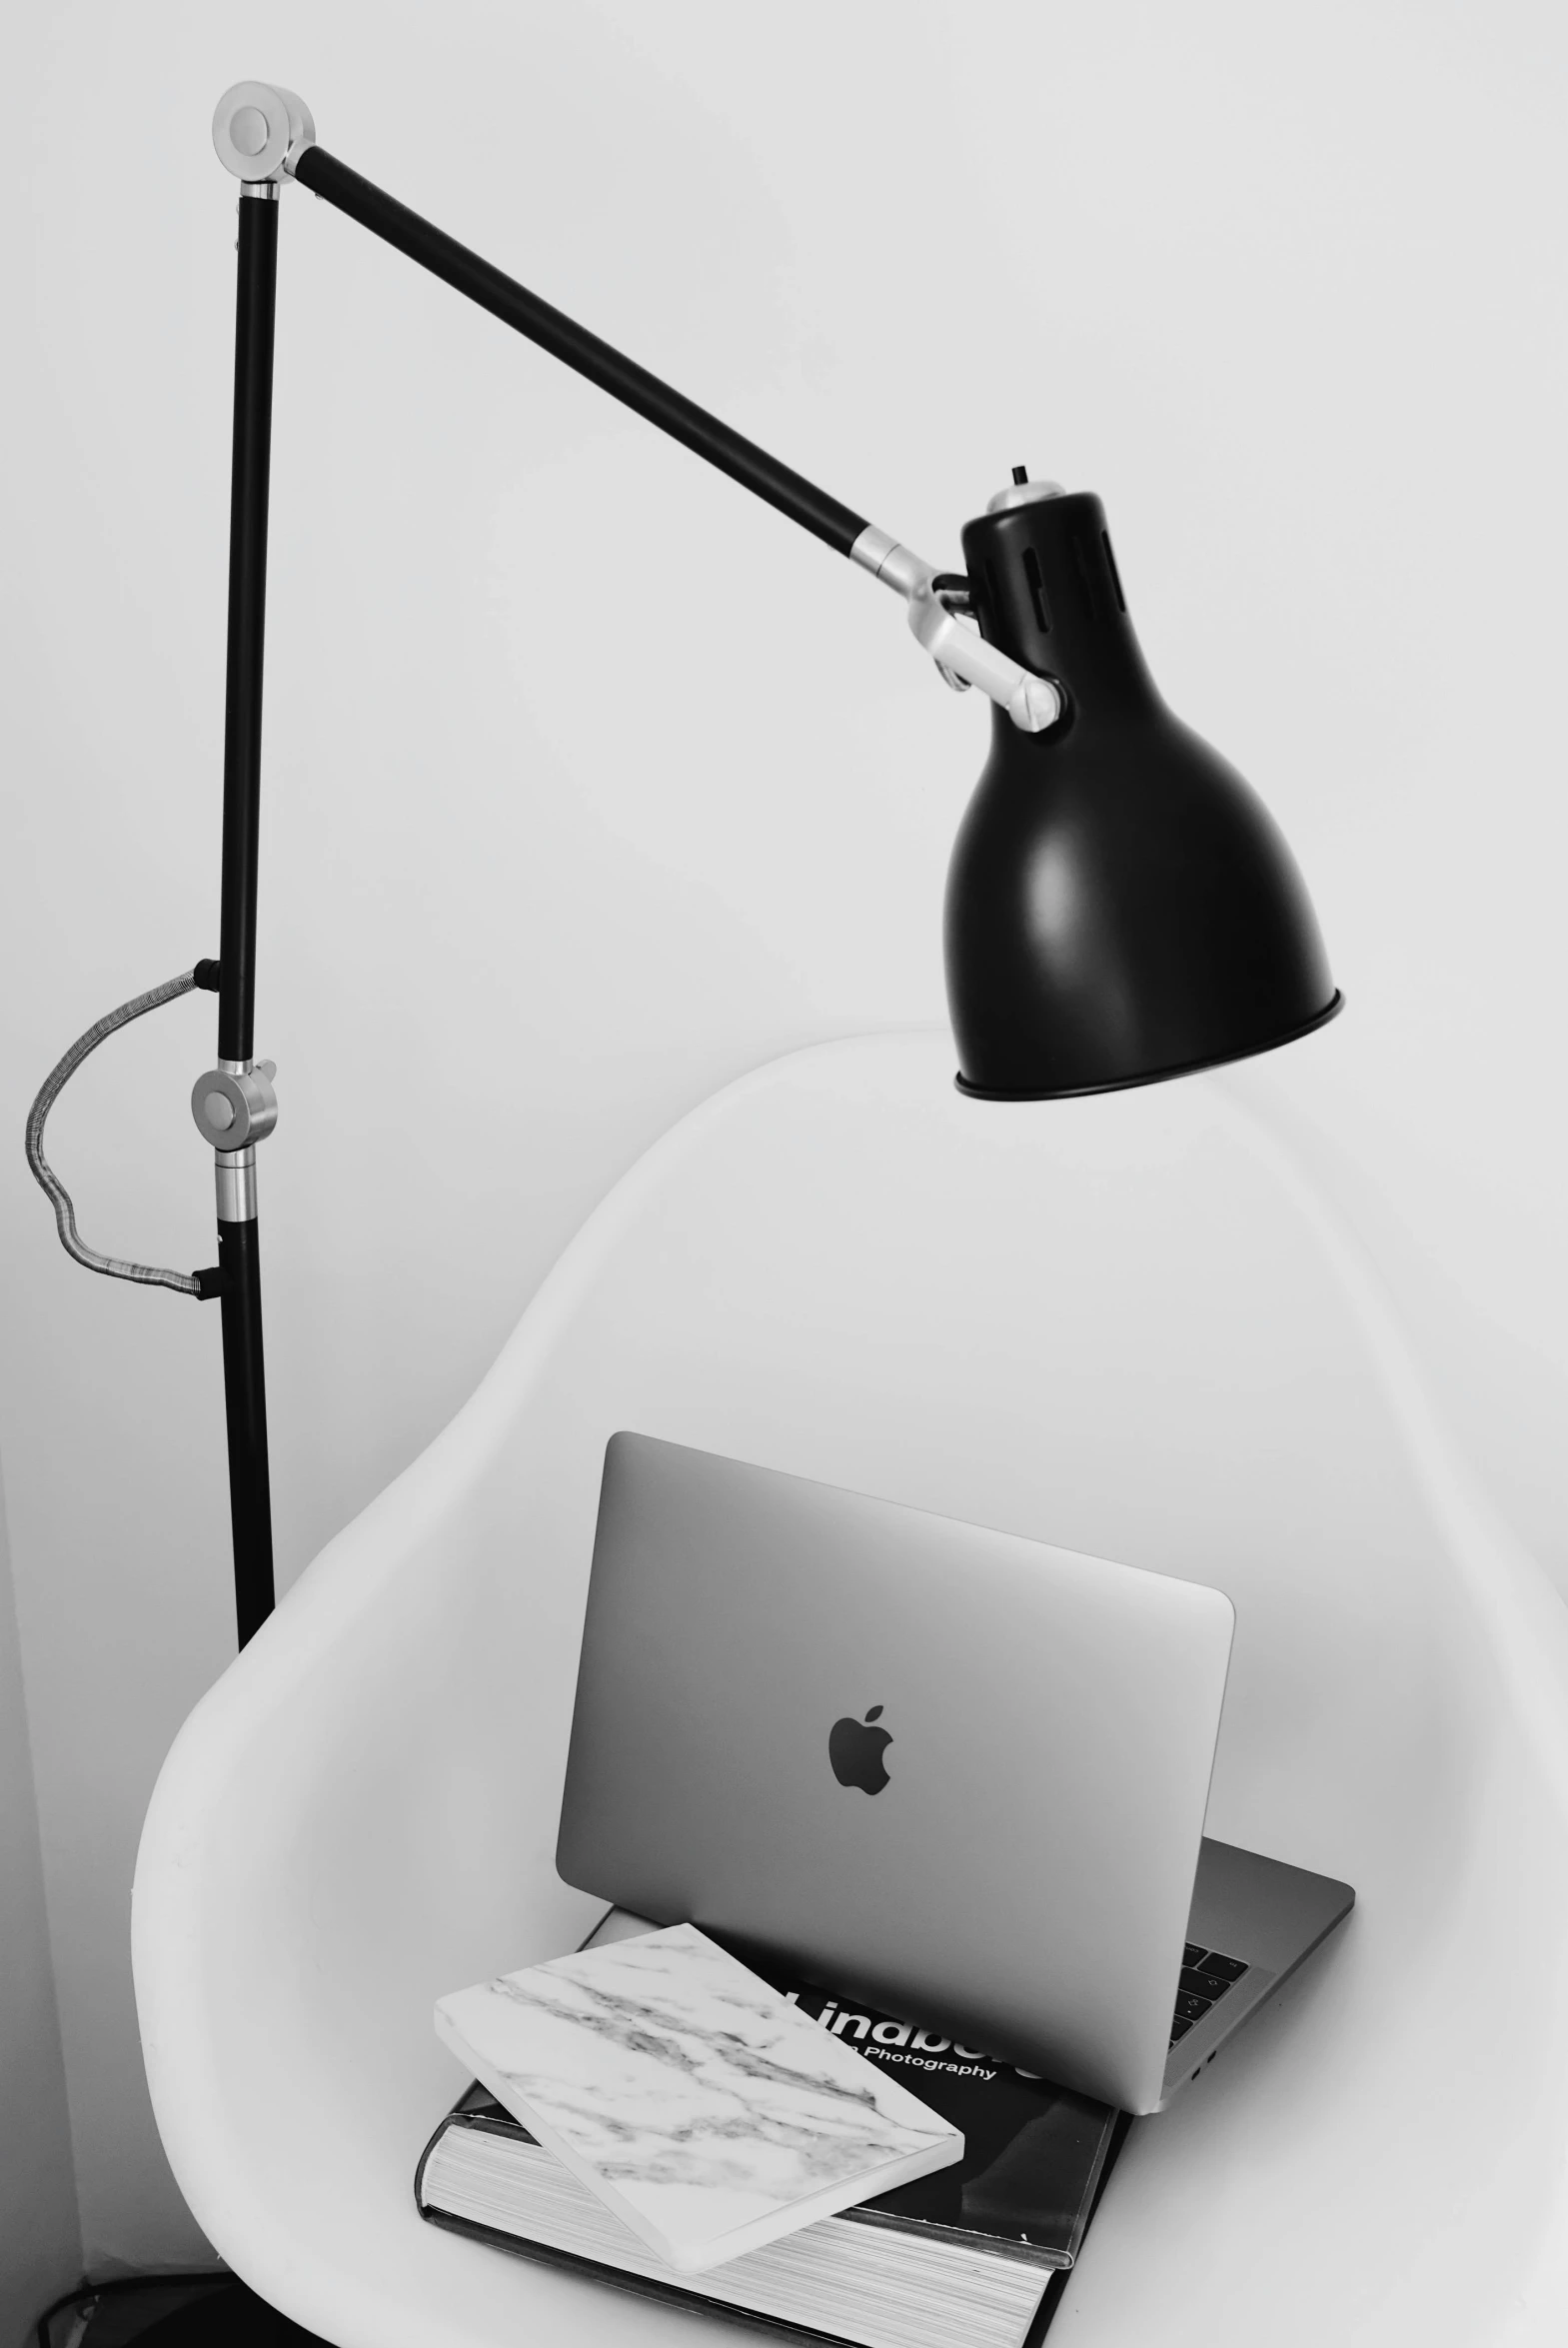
(482, 283)
(289, 150)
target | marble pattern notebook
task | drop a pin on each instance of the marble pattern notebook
(695, 2100)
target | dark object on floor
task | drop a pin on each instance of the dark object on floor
(230, 2317)
(172, 2311)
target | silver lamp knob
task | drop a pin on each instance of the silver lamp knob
(260, 131)
(233, 1107)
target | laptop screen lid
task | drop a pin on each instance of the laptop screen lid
(952, 1771)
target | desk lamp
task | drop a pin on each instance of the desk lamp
(1120, 907)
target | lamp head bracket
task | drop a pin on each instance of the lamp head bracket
(961, 653)
(261, 131)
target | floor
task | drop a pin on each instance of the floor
(177, 2314)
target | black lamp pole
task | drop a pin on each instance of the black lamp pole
(239, 1257)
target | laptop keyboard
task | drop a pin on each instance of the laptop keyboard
(1206, 1974)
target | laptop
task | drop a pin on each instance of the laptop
(954, 1772)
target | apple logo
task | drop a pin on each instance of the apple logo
(855, 1752)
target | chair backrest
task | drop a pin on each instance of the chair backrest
(1123, 1325)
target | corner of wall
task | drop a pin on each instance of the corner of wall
(40, 2238)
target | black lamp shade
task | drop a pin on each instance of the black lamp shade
(1120, 905)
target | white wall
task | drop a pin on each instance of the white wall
(1281, 283)
(40, 2233)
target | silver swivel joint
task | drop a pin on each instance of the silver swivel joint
(235, 1107)
(260, 133)
(962, 656)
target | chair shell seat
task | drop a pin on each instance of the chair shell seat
(1126, 1325)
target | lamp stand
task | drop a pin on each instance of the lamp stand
(1175, 932)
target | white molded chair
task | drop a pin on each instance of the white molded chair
(1123, 1325)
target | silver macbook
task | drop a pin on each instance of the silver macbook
(951, 1772)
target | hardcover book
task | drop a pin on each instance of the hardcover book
(976, 2253)
(694, 2099)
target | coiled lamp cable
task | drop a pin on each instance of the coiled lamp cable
(150, 1275)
